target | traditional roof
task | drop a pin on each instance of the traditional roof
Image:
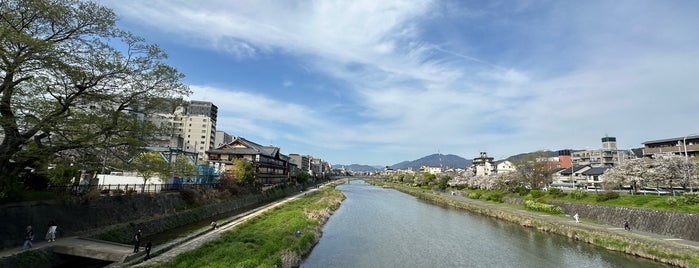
(595, 171)
(575, 169)
(241, 146)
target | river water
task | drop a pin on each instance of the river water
(377, 227)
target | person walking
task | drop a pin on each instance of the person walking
(577, 218)
(148, 247)
(51, 233)
(626, 225)
(137, 241)
(28, 237)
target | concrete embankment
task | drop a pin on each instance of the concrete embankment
(669, 250)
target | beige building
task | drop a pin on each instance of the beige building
(607, 156)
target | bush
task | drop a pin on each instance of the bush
(521, 190)
(541, 207)
(691, 198)
(494, 196)
(556, 192)
(578, 194)
(608, 195)
(474, 195)
(675, 201)
(536, 193)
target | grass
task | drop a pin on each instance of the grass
(635, 201)
(268, 240)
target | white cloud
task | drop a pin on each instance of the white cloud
(563, 80)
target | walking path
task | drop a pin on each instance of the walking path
(678, 245)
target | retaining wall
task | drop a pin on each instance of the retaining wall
(675, 224)
(153, 213)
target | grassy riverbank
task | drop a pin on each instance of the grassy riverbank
(654, 249)
(270, 240)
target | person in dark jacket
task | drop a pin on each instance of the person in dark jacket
(137, 241)
(28, 238)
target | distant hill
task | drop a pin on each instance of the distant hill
(360, 168)
(435, 160)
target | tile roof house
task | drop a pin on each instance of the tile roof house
(270, 166)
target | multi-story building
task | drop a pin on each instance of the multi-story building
(222, 138)
(607, 156)
(504, 166)
(483, 165)
(687, 146)
(303, 162)
(269, 165)
(197, 126)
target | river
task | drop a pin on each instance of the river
(377, 227)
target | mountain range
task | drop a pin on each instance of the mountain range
(434, 160)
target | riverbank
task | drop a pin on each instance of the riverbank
(280, 237)
(663, 249)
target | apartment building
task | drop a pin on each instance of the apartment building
(607, 156)
(687, 146)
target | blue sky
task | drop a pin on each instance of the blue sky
(380, 82)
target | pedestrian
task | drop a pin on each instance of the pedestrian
(28, 237)
(577, 218)
(148, 247)
(137, 241)
(626, 225)
(51, 233)
(213, 225)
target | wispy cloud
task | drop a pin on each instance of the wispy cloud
(410, 77)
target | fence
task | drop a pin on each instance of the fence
(116, 189)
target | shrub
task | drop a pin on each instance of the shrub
(475, 195)
(521, 190)
(691, 198)
(541, 207)
(675, 201)
(578, 194)
(189, 195)
(494, 196)
(608, 195)
(556, 192)
(536, 193)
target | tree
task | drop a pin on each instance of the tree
(242, 170)
(303, 177)
(183, 167)
(149, 164)
(70, 80)
(533, 170)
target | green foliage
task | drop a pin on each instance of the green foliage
(303, 177)
(536, 193)
(150, 164)
(493, 196)
(556, 192)
(521, 191)
(443, 182)
(578, 194)
(242, 170)
(58, 59)
(265, 240)
(607, 195)
(541, 207)
(672, 201)
(474, 195)
(691, 198)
